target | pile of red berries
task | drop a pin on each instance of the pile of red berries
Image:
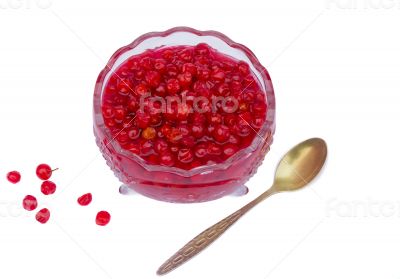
(30, 203)
(190, 133)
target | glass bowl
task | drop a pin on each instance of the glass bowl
(172, 184)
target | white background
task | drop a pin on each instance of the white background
(335, 65)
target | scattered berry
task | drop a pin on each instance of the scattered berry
(85, 199)
(48, 187)
(103, 218)
(14, 177)
(29, 203)
(43, 215)
(44, 172)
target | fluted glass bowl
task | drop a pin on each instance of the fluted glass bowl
(172, 184)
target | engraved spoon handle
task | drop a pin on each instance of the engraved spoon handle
(204, 239)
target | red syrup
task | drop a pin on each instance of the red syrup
(215, 104)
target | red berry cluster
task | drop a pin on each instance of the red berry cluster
(30, 203)
(182, 136)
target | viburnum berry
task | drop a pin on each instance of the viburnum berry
(167, 159)
(103, 218)
(43, 215)
(29, 203)
(13, 177)
(48, 187)
(185, 155)
(44, 171)
(85, 199)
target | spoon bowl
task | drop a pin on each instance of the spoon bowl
(300, 165)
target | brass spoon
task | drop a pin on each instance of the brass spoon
(295, 170)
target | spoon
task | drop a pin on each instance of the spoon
(295, 170)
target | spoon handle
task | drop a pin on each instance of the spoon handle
(204, 239)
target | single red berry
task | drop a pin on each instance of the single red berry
(85, 199)
(153, 78)
(160, 146)
(221, 133)
(134, 133)
(229, 149)
(14, 177)
(173, 86)
(213, 149)
(142, 120)
(48, 187)
(141, 89)
(200, 150)
(29, 203)
(185, 155)
(44, 172)
(198, 130)
(146, 147)
(167, 159)
(103, 218)
(43, 215)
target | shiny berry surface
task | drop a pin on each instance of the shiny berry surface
(29, 203)
(220, 110)
(43, 215)
(85, 199)
(44, 171)
(13, 177)
(103, 218)
(48, 187)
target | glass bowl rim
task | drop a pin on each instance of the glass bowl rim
(264, 134)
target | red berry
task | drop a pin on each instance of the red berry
(14, 177)
(213, 149)
(185, 155)
(141, 89)
(43, 215)
(190, 68)
(146, 147)
(103, 218)
(48, 187)
(174, 136)
(153, 78)
(173, 86)
(202, 49)
(200, 150)
(44, 172)
(85, 199)
(243, 68)
(134, 133)
(142, 120)
(229, 149)
(160, 146)
(167, 159)
(198, 130)
(221, 133)
(29, 203)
